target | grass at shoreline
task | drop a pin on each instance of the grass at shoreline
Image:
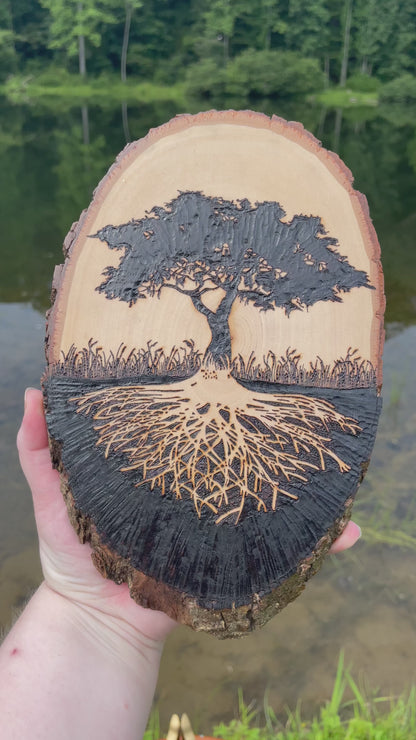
(349, 714)
(343, 97)
(63, 86)
(22, 89)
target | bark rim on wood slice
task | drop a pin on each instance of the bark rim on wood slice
(144, 589)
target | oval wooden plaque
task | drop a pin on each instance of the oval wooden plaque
(214, 366)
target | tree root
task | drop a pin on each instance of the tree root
(216, 442)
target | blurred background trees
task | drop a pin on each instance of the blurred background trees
(272, 47)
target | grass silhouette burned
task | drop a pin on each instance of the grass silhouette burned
(350, 371)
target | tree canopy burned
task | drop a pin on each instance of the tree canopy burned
(197, 245)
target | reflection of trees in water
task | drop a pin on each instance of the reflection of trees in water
(85, 125)
(125, 120)
(337, 130)
(81, 163)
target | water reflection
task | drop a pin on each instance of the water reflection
(364, 601)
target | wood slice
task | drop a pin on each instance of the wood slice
(214, 366)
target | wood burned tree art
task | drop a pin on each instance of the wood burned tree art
(209, 438)
(214, 366)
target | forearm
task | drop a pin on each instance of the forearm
(67, 671)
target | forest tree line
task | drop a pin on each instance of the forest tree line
(240, 47)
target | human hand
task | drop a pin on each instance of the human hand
(83, 657)
(66, 563)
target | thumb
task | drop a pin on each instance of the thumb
(32, 444)
(32, 435)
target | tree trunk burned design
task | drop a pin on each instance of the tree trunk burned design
(217, 487)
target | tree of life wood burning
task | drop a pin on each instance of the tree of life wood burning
(214, 366)
(214, 430)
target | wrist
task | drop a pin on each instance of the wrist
(65, 659)
(108, 635)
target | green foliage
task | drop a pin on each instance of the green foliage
(71, 19)
(74, 21)
(162, 41)
(273, 73)
(400, 90)
(152, 731)
(363, 83)
(344, 97)
(7, 52)
(273, 22)
(308, 28)
(256, 74)
(57, 84)
(27, 22)
(376, 33)
(205, 79)
(402, 44)
(357, 718)
(8, 57)
(385, 535)
(411, 151)
(220, 18)
(241, 728)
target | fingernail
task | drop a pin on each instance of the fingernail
(26, 395)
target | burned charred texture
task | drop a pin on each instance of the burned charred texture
(214, 566)
(198, 244)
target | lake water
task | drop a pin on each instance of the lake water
(363, 601)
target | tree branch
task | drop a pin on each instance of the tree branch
(178, 289)
(201, 307)
(207, 290)
(194, 295)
